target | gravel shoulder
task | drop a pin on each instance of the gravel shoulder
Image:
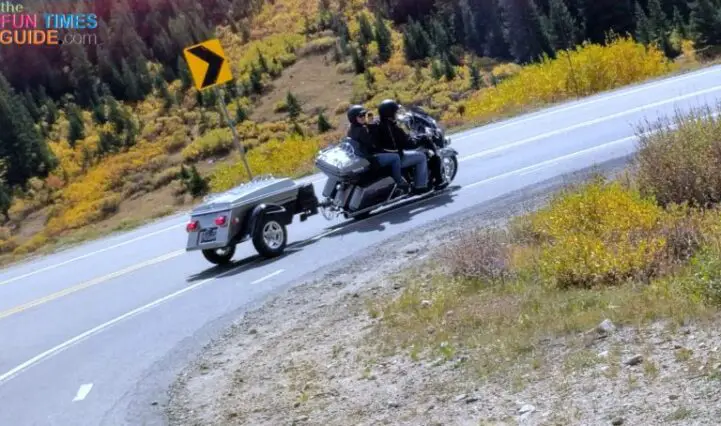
(308, 357)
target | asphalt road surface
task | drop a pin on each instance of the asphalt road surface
(81, 329)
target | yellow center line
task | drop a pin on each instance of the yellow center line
(82, 286)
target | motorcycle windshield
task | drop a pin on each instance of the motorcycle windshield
(340, 156)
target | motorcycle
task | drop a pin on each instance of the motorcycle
(355, 188)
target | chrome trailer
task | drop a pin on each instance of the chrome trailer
(258, 210)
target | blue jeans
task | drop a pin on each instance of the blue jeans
(392, 160)
(418, 159)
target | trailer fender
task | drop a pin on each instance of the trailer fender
(267, 209)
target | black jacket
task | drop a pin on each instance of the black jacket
(391, 138)
(365, 138)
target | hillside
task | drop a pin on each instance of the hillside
(103, 137)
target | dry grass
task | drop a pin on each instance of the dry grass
(680, 159)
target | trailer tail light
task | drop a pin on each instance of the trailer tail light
(220, 221)
(192, 226)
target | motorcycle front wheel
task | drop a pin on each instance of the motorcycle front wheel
(450, 168)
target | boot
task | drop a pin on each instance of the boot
(421, 190)
(403, 185)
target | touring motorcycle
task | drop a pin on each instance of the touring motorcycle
(355, 187)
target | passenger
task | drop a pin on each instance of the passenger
(391, 138)
(359, 132)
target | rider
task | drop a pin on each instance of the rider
(360, 132)
(391, 138)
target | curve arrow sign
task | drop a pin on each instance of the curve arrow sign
(213, 69)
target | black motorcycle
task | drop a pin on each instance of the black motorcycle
(355, 187)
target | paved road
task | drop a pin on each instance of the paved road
(81, 329)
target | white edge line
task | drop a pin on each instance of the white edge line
(581, 104)
(61, 347)
(83, 392)
(269, 276)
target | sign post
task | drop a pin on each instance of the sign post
(209, 68)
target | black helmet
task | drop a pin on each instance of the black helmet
(388, 108)
(354, 112)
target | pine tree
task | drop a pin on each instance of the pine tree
(448, 71)
(256, 80)
(679, 26)
(358, 60)
(527, 36)
(31, 105)
(475, 76)
(705, 23)
(99, 115)
(294, 108)
(51, 112)
(409, 45)
(657, 19)
(563, 26)
(660, 28)
(384, 39)
(496, 44)
(76, 127)
(417, 41)
(262, 62)
(471, 37)
(82, 75)
(5, 197)
(643, 27)
(365, 35)
(195, 184)
(23, 150)
(369, 78)
(132, 88)
(441, 40)
(602, 16)
(240, 113)
(436, 69)
(323, 124)
(184, 73)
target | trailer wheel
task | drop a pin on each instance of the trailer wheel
(219, 256)
(270, 237)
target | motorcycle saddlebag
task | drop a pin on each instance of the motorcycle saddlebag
(341, 161)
